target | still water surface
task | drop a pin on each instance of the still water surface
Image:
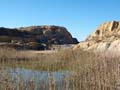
(40, 78)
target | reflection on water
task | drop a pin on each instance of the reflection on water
(40, 78)
(27, 74)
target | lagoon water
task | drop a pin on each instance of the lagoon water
(41, 79)
(28, 74)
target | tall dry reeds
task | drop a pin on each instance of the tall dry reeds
(89, 70)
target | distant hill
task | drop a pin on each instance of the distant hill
(35, 37)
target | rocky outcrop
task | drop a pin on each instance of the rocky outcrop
(108, 31)
(105, 38)
(36, 36)
(51, 34)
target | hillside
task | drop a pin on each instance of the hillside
(35, 37)
(105, 38)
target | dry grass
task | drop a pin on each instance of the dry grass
(90, 71)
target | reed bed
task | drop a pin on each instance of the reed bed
(88, 70)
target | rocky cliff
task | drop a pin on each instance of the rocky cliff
(108, 31)
(105, 38)
(36, 37)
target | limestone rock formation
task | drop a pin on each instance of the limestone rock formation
(105, 38)
(36, 37)
(108, 31)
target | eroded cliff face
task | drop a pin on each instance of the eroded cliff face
(52, 34)
(108, 31)
(36, 37)
(105, 38)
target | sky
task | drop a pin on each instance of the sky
(80, 17)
